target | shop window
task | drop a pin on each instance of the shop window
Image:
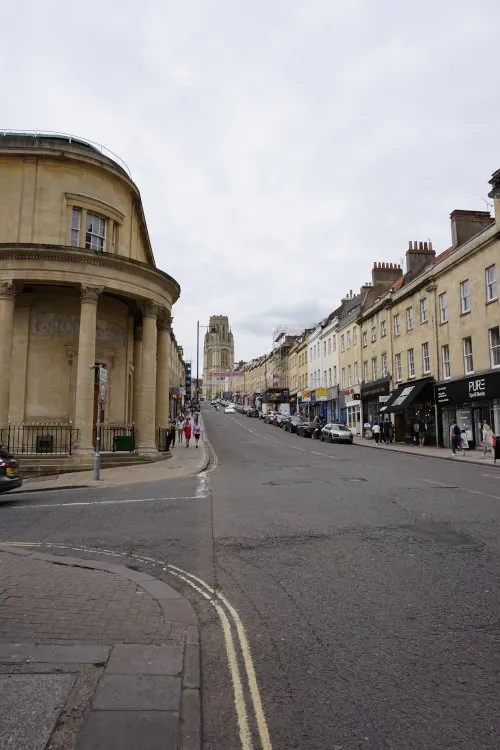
(465, 297)
(468, 362)
(491, 283)
(374, 368)
(426, 359)
(445, 360)
(411, 363)
(384, 365)
(423, 310)
(397, 324)
(443, 308)
(383, 329)
(409, 318)
(398, 369)
(365, 338)
(494, 334)
(374, 334)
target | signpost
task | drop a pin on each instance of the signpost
(103, 392)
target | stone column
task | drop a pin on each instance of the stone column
(84, 396)
(7, 299)
(19, 361)
(145, 408)
(137, 370)
(162, 369)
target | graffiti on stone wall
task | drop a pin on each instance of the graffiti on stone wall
(61, 323)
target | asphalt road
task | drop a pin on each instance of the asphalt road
(367, 582)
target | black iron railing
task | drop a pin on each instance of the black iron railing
(48, 438)
(118, 437)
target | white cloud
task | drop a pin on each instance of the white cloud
(280, 148)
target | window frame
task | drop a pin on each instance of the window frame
(397, 325)
(426, 355)
(443, 310)
(384, 366)
(445, 362)
(464, 299)
(374, 368)
(383, 329)
(495, 348)
(365, 339)
(398, 367)
(492, 284)
(373, 334)
(466, 355)
(424, 317)
(409, 319)
(411, 363)
(365, 371)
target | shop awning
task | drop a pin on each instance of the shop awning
(404, 396)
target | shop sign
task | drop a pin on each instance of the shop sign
(375, 388)
(473, 389)
(383, 399)
(321, 394)
(403, 395)
(306, 396)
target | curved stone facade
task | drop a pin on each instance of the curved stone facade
(79, 287)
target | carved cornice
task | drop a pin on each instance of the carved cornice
(8, 290)
(148, 308)
(90, 293)
(67, 254)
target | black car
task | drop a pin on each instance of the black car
(293, 423)
(9, 470)
(252, 412)
(306, 429)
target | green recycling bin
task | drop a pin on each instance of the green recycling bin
(124, 443)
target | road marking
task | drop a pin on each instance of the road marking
(296, 448)
(127, 501)
(218, 601)
(201, 488)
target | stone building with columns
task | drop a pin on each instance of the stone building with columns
(78, 287)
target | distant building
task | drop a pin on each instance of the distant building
(218, 357)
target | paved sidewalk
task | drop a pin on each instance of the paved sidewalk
(94, 656)
(470, 457)
(184, 462)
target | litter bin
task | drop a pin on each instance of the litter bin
(123, 443)
(496, 448)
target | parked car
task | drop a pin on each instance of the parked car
(306, 429)
(336, 433)
(229, 410)
(10, 477)
(293, 423)
(252, 412)
(281, 420)
(270, 417)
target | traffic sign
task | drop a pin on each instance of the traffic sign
(103, 375)
(103, 392)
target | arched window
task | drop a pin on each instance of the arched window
(224, 359)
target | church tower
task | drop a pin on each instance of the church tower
(218, 356)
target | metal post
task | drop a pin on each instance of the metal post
(197, 359)
(97, 453)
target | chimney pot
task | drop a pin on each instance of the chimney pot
(425, 246)
(430, 246)
(409, 245)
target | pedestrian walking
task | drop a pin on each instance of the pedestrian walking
(376, 432)
(416, 430)
(422, 432)
(456, 438)
(173, 431)
(180, 429)
(196, 432)
(187, 431)
(487, 437)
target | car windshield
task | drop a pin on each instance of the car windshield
(339, 428)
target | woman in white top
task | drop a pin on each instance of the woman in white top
(180, 430)
(487, 437)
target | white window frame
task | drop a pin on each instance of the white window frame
(329, 345)
(494, 349)
(334, 343)
(409, 318)
(398, 368)
(365, 371)
(349, 375)
(354, 335)
(374, 368)
(94, 239)
(324, 348)
(330, 377)
(76, 225)
(383, 329)
(445, 361)
(426, 358)
(465, 297)
(397, 324)
(342, 343)
(356, 373)
(335, 374)
(468, 356)
(443, 307)
(411, 363)
(343, 377)
(490, 277)
(423, 310)
(384, 365)
(374, 334)
(365, 339)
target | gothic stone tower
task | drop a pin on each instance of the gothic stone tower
(218, 354)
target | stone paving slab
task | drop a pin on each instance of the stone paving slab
(73, 684)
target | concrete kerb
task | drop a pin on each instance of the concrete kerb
(176, 609)
(410, 452)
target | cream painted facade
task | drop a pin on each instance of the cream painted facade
(79, 286)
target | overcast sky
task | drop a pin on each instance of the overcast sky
(280, 146)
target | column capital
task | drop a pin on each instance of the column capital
(8, 290)
(148, 308)
(164, 320)
(90, 293)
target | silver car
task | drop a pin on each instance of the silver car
(336, 433)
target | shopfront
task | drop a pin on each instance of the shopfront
(319, 403)
(304, 401)
(370, 399)
(471, 401)
(332, 404)
(409, 403)
(351, 414)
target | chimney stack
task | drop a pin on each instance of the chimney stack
(418, 255)
(385, 274)
(466, 224)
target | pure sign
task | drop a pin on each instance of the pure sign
(477, 388)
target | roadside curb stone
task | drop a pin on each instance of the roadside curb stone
(128, 696)
(410, 451)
